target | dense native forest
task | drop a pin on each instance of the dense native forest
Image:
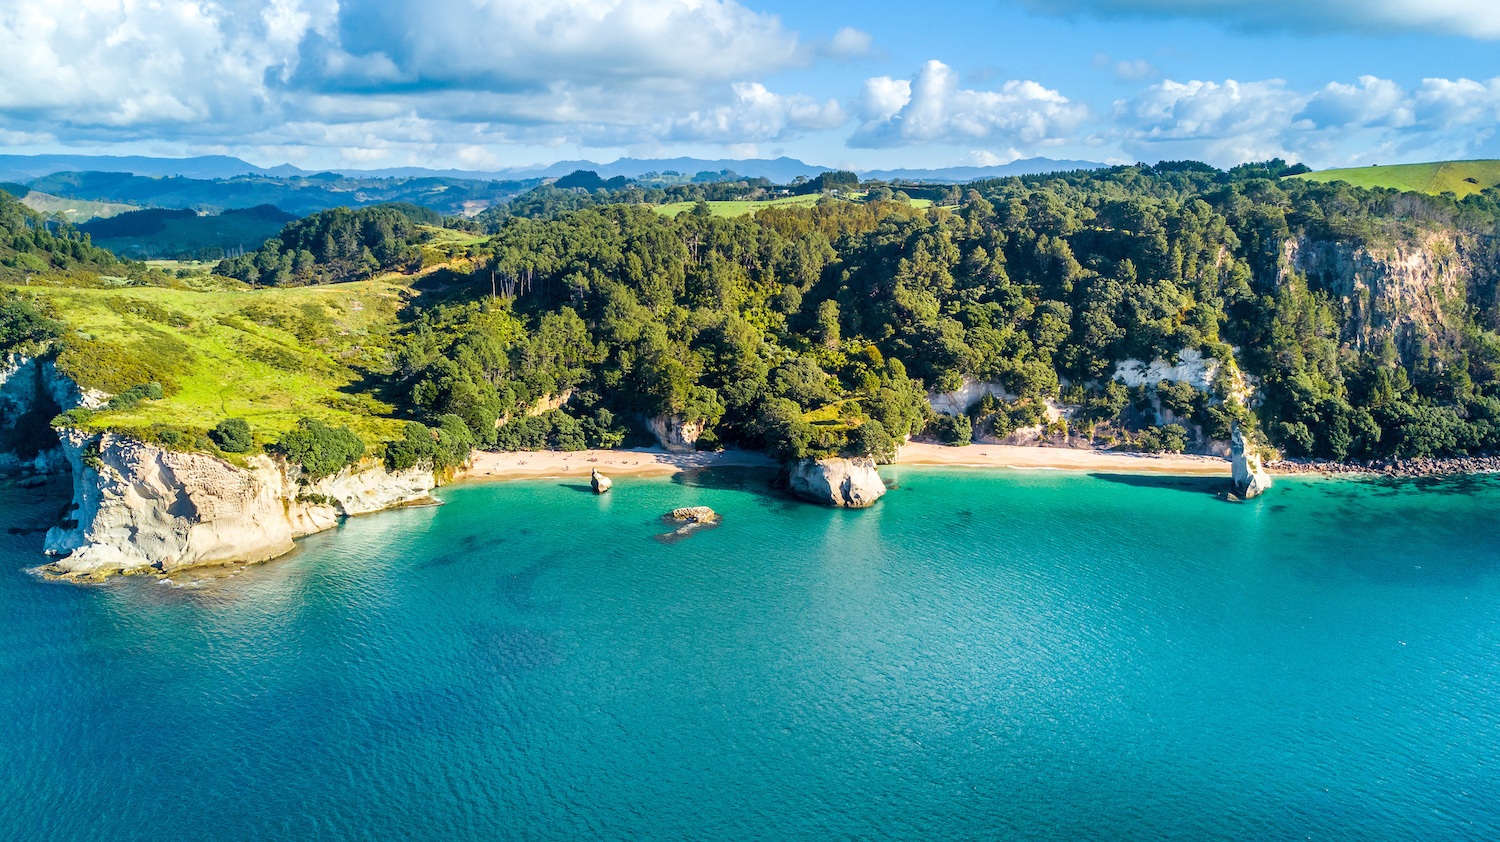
(818, 330)
(31, 244)
(821, 329)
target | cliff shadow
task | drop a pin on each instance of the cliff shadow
(754, 480)
(383, 387)
(1210, 486)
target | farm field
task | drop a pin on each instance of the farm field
(74, 210)
(1463, 178)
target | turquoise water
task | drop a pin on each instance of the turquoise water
(1001, 655)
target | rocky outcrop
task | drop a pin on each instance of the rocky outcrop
(1250, 479)
(140, 508)
(32, 391)
(694, 514)
(600, 483)
(958, 401)
(674, 433)
(1206, 374)
(844, 483)
(1407, 290)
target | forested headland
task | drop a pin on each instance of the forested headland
(1340, 323)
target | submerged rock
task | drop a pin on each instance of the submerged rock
(600, 482)
(691, 518)
(843, 483)
(1250, 479)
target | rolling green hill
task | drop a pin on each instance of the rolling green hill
(183, 234)
(270, 356)
(1460, 177)
(74, 210)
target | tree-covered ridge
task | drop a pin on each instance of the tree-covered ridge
(336, 245)
(32, 244)
(847, 311)
(821, 329)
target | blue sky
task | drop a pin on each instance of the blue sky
(485, 84)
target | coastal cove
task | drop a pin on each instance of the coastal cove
(985, 652)
(536, 464)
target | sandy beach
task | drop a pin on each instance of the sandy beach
(553, 463)
(537, 464)
(1061, 459)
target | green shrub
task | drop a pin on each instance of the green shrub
(23, 325)
(321, 450)
(232, 435)
(76, 417)
(787, 435)
(956, 430)
(872, 439)
(1169, 439)
(446, 447)
(132, 397)
(556, 430)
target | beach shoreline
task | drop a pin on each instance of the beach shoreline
(494, 466)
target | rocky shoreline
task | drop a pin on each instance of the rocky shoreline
(1392, 468)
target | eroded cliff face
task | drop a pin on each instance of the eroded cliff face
(1410, 291)
(139, 508)
(32, 392)
(676, 434)
(1250, 479)
(842, 483)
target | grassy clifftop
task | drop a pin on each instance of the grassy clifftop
(1460, 177)
(270, 356)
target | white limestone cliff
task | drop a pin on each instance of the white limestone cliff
(676, 434)
(140, 508)
(34, 385)
(1250, 479)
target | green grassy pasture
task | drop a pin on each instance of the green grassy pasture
(1460, 177)
(73, 210)
(269, 356)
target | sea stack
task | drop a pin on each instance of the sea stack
(600, 482)
(842, 483)
(1250, 479)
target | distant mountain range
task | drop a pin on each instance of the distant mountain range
(22, 168)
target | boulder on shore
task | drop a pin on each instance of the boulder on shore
(600, 482)
(839, 482)
(1250, 479)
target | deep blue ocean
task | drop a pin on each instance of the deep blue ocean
(984, 655)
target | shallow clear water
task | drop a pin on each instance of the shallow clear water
(983, 655)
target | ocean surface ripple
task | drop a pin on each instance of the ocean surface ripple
(982, 655)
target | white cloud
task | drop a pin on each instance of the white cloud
(758, 115)
(849, 43)
(498, 45)
(1135, 70)
(932, 108)
(1372, 102)
(1230, 122)
(475, 72)
(1467, 18)
(1459, 103)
